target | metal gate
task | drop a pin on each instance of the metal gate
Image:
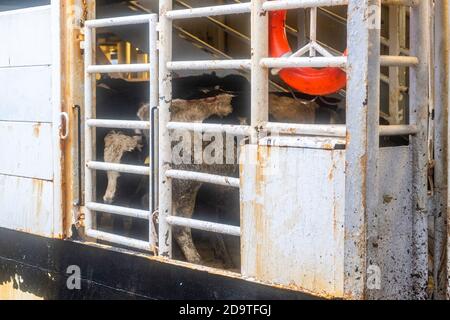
(91, 122)
(361, 132)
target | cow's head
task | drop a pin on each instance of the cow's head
(116, 145)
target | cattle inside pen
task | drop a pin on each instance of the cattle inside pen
(212, 99)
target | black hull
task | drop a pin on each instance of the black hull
(41, 266)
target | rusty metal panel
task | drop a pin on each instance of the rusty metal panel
(26, 205)
(26, 37)
(292, 218)
(26, 94)
(27, 150)
(390, 228)
(292, 223)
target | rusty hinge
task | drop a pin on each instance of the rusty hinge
(80, 216)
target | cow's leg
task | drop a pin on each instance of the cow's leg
(218, 242)
(183, 236)
(221, 251)
(185, 194)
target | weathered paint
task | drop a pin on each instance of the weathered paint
(11, 290)
(19, 101)
(418, 114)
(28, 151)
(33, 215)
(293, 235)
(441, 95)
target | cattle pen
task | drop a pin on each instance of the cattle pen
(184, 149)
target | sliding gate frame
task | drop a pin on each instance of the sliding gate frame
(91, 123)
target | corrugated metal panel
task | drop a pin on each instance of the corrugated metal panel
(26, 205)
(26, 37)
(27, 150)
(26, 94)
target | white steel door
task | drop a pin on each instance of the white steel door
(30, 116)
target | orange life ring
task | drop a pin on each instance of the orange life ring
(311, 81)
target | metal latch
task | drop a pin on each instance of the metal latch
(64, 125)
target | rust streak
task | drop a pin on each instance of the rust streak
(36, 130)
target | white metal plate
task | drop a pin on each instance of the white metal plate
(26, 37)
(292, 218)
(33, 213)
(26, 94)
(26, 150)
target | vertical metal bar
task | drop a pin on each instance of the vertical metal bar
(394, 50)
(88, 131)
(301, 27)
(441, 94)
(361, 185)
(58, 206)
(154, 97)
(259, 76)
(165, 154)
(312, 30)
(419, 93)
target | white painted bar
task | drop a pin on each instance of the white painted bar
(259, 97)
(238, 8)
(165, 146)
(398, 61)
(123, 211)
(298, 4)
(307, 129)
(118, 124)
(295, 62)
(115, 68)
(204, 225)
(398, 130)
(209, 65)
(117, 167)
(210, 127)
(124, 241)
(120, 21)
(203, 177)
(88, 131)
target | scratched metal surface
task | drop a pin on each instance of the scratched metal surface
(293, 221)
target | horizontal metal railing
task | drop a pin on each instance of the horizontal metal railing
(120, 240)
(244, 64)
(118, 124)
(122, 211)
(209, 127)
(117, 167)
(203, 177)
(204, 225)
(116, 68)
